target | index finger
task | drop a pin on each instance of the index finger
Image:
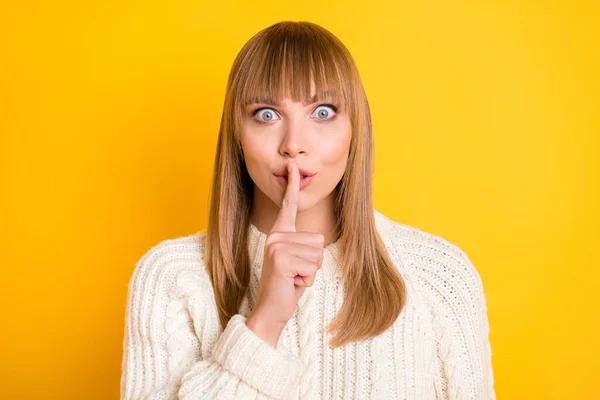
(286, 219)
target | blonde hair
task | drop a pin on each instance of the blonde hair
(279, 61)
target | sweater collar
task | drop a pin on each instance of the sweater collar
(331, 255)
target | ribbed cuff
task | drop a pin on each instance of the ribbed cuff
(240, 351)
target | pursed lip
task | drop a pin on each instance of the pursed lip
(303, 172)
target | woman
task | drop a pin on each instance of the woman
(299, 288)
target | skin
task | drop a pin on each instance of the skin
(290, 265)
(317, 138)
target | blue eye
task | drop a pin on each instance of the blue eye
(268, 114)
(324, 112)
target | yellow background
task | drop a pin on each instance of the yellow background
(486, 118)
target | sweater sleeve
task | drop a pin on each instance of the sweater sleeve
(166, 354)
(462, 329)
(242, 364)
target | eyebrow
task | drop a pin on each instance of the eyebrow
(323, 95)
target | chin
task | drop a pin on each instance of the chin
(306, 202)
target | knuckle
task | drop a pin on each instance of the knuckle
(320, 259)
(272, 238)
(321, 238)
(317, 254)
(273, 249)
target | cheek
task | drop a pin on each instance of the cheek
(258, 158)
(256, 166)
(255, 154)
(334, 153)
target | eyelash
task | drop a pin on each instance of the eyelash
(269, 108)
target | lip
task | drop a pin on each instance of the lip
(304, 182)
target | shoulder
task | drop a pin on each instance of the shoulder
(438, 268)
(175, 247)
(165, 268)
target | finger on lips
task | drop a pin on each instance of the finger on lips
(286, 219)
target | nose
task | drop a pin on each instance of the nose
(294, 137)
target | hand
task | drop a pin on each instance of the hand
(291, 261)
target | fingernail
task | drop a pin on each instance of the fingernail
(289, 167)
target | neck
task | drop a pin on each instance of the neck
(319, 218)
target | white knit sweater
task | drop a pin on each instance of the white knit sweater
(438, 348)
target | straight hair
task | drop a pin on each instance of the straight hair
(281, 61)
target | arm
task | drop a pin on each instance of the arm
(163, 355)
(462, 331)
(242, 364)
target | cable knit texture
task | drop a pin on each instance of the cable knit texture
(438, 348)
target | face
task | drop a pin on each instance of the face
(316, 136)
